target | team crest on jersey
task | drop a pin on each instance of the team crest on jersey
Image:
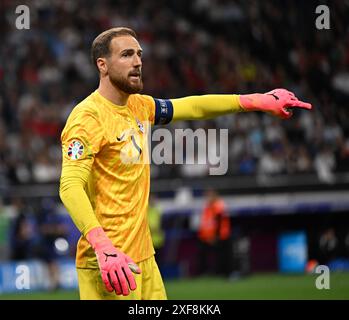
(140, 125)
(75, 150)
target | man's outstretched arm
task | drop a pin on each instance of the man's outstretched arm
(278, 102)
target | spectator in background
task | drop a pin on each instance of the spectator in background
(154, 219)
(53, 244)
(44, 78)
(325, 164)
(214, 235)
(346, 245)
(329, 246)
(24, 234)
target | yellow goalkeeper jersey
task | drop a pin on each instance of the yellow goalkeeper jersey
(105, 178)
(109, 142)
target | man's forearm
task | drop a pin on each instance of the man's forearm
(205, 106)
(76, 201)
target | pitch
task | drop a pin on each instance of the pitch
(257, 286)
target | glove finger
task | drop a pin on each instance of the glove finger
(300, 104)
(285, 114)
(132, 265)
(134, 268)
(305, 105)
(123, 282)
(107, 282)
(115, 281)
(130, 278)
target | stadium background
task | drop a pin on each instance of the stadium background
(285, 177)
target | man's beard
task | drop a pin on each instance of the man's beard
(125, 85)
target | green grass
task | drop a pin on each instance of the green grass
(56, 295)
(258, 286)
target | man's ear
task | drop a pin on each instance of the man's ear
(102, 66)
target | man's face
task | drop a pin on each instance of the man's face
(125, 64)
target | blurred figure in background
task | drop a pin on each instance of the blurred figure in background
(53, 244)
(154, 219)
(23, 233)
(214, 237)
(328, 245)
(346, 245)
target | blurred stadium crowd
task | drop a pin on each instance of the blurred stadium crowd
(190, 48)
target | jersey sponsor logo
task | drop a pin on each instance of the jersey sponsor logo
(75, 150)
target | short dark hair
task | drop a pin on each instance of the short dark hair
(101, 44)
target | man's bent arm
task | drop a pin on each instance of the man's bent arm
(115, 271)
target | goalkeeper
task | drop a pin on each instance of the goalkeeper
(106, 196)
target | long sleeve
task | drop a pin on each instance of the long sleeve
(81, 139)
(75, 199)
(205, 106)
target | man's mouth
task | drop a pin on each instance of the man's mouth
(135, 75)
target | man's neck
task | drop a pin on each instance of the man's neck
(114, 95)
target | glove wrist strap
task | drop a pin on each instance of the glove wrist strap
(250, 102)
(98, 239)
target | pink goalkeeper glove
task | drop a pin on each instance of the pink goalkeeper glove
(276, 102)
(115, 266)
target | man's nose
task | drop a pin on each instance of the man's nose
(137, 61)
